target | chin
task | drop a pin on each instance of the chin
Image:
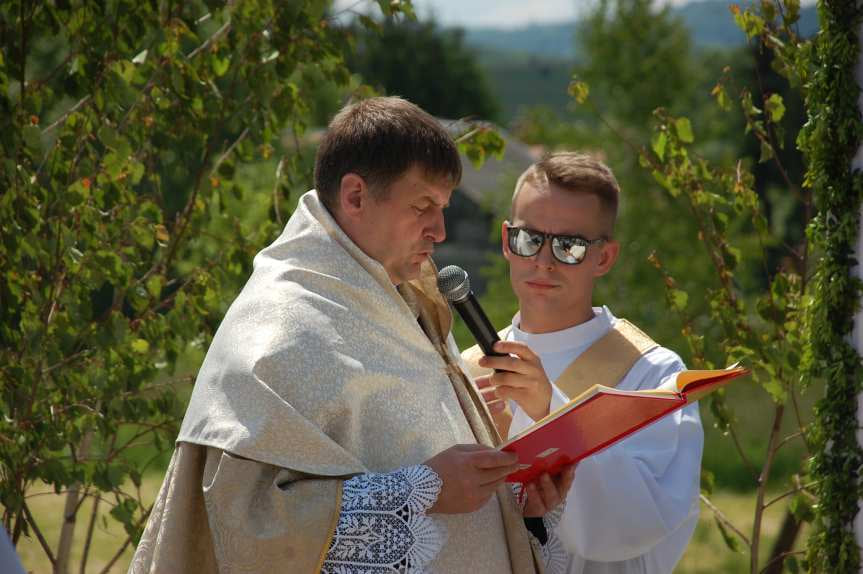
(409, 273)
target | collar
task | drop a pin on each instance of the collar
(584, 334)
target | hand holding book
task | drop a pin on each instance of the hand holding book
(602, 416)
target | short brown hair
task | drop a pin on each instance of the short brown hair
(380, 139)
(576, 172)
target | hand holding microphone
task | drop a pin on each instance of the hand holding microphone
(518, 372)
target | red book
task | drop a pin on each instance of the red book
(601, 416)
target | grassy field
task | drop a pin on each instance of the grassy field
(706, 554)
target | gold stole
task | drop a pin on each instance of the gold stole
(435, 318)
(605, 362)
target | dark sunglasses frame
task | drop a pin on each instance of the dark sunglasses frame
(558, 242)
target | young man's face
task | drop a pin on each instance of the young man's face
(553, 295)
(401, 230)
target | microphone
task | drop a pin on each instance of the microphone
(454, 285)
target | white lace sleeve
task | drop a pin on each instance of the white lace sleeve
(554, 554)
(383, 527)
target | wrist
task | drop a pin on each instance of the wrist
(541, 410)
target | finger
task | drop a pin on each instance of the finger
(516, 394)
(489, 395)
(496, 407)
(534, 505)
(509, 363)
(516, 348)
(492, 459)
(492, 400)
(565, 479)
(492, 477)
(483, 381)
(513, 379)
(475, 449)
(548, 491)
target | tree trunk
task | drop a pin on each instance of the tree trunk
(67, 531)
(70, 514)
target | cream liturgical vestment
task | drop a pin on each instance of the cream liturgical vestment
(320, 371)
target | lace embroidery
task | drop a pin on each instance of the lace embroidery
(554, 555)
(383, 528)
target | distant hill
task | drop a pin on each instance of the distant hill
(709, 21)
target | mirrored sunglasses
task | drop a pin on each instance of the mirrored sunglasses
(568, 249)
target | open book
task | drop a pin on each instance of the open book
(601, 416)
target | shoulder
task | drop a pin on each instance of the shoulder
(663, 358)
(653, 366)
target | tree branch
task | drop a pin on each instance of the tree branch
(42, 541)
(724, 519)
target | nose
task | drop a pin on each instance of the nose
(436, 229)
(544, 257)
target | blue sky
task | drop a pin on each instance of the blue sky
(503, 13)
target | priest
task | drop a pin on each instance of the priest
(331, 428)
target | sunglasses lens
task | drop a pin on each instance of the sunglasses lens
(524, 243)
(569, 249)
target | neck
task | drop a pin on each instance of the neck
(541, 322)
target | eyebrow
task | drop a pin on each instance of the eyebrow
(434, 202)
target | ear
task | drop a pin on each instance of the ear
(353, 195)
(504, 240)
(607, 257)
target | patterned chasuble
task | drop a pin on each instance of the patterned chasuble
(320, 371)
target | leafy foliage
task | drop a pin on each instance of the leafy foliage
(124, 126)
(831, 140)
(650, 43)
(768, 329)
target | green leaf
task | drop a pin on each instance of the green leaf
(578, 90)
(776, 389)
(678, 299)
(658, 144)
(721, 96)
(219, 65)
(775, 108)
(140, 346)
(154, 286)
(802, 509)
(708, 482)
(731, 540)
(751, 23)
(663, 181)
(684, 130)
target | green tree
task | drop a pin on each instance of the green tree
(636, 57)
(791, 331)
(124, 129)
(429, 66)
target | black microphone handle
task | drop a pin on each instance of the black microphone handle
(478, 323)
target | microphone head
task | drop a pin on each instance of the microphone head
(453, 283)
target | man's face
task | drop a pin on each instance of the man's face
(401, 230)
(553, 295)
